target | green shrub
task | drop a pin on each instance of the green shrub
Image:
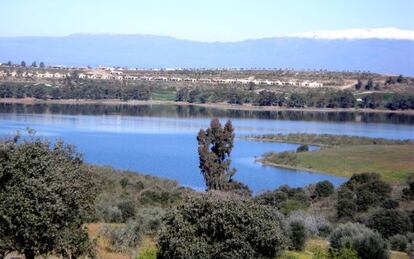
(390, 222)
(324, 189)
(344, 253)
(284, 198)
(398, 242)
(217, 225)
(148, 253)
(367, 243)
(150, 219)
(108, 213)
(297, 235)
(127, 209)
(122, 238)
(124, 182)
(346, 207)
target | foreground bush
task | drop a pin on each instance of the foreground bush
(367, 243)
(122, 238)
(45, 198)
(390, 222)
(221, 226)
(297, 234)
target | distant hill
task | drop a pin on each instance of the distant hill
(395, 56)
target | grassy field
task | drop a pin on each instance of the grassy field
(326, 139)
(393, 162)
(164, 94)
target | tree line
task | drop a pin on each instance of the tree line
(95, 91)
(311, 98)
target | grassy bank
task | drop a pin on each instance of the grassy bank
(326, 139)
(393, 162)
(345, 155)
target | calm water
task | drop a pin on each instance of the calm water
(161, 140)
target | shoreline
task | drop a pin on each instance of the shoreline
(222, 106)
(309, 170)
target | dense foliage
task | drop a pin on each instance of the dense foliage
(366, 242)
(361, 192)
(220, 226)
(285, 198)
(85, 90)
(45, 198)
(214, 148)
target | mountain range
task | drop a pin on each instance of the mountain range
(389, 51)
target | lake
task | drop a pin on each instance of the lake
(160, 140)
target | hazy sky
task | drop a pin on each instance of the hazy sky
(212, 20)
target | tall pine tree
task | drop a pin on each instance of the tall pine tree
(214, 148)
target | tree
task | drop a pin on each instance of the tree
(42, 65)
(214, 148)
(400, 79)
(45, 198)
(23, 64)
(358, 85)
(34, 64)
(369, 85)
(324, 189)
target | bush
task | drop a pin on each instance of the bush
(398, 242)
(297, 234)
(124, 182)
(108, 213)
(121, 239)
(217, 225)
(302, 148)
(408, 193)
(150, 219)
(361, 192)
(346, 207)
(367, 243)
(324, 189)
(315, 225)
(127, 209)
(285, 198)
(390, 204)
(390, 222)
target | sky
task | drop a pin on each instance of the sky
(202, 20)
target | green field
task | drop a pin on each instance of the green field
(393, 162)
(164, 94)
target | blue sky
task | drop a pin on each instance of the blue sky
(212, 20)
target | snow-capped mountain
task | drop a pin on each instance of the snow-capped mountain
(353, 34)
